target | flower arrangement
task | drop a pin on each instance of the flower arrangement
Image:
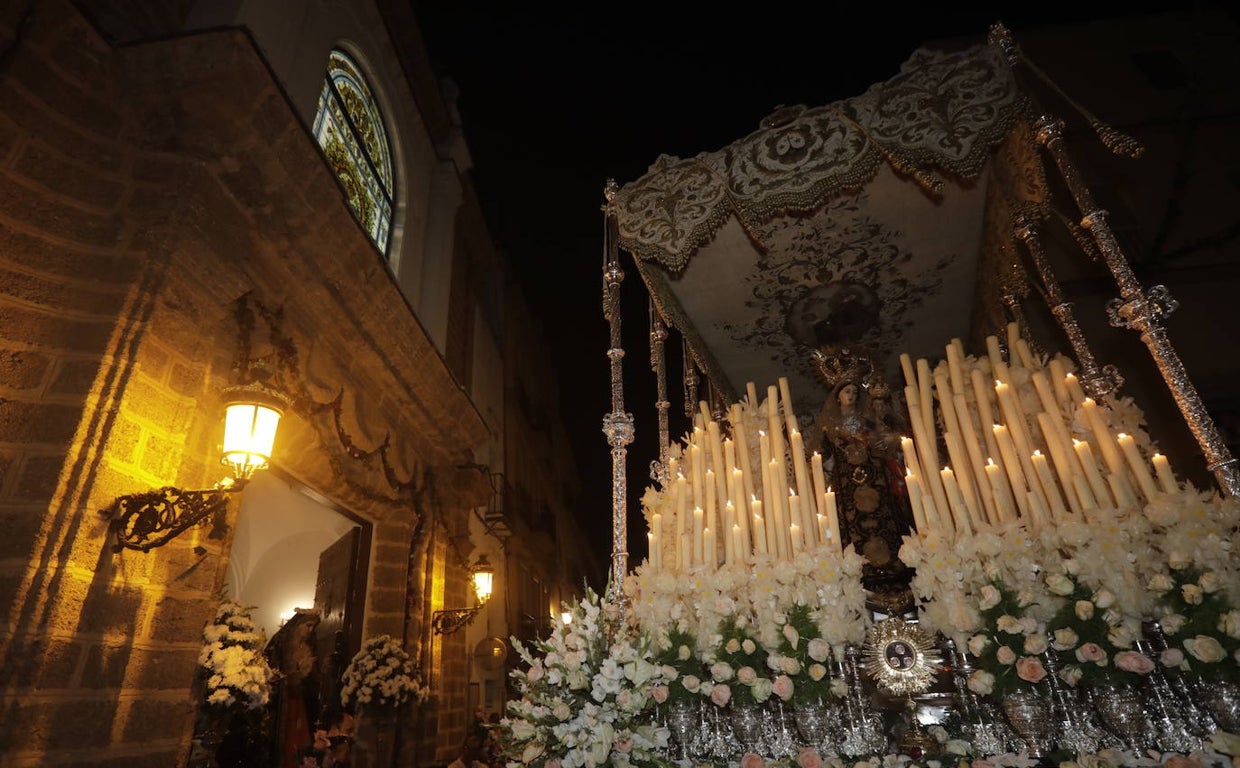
(381, 674)
(1200, 623)
(1009, 650)
(237, 674)
(1095, 637)
(678, 676)
(801, 660)
(583, 695)
(737, 666)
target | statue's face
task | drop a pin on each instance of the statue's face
(848, 394)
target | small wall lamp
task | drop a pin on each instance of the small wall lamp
(446, 622)
(143, 521)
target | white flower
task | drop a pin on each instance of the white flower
(1209, 582)
(981, 682)
(1172, 623)
(1205, 648)
(1191, 593)
(989, 598)
(1104, 598)
(1229, 623)
(978, 644)
(1084, 610)
(1035, 644)
(1060, 585)
(1159, 583)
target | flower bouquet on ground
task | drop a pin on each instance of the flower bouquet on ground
(237, 674)
(382, 674)
(237, 682)
(583, 696)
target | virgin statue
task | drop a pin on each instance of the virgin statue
(860, 439)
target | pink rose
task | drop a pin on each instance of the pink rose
(1134, 661)
(808, 757)
(1090, 652)
(721, 694)
(623, 745)
(751, 760)
(534, 674)
(980, 763)
(1005, 655)
(746, 675)
(782, 687)
(659, 693)
(1172, 657)
(553, 763)
(1030, 669)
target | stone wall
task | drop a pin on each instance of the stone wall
(143, 189)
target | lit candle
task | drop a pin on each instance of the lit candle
(1102, 495)
(998, 368)
(1049, 488)
(906, 365)
(697, 467)
(656, 541)
(985, 415)
(1003, 497)
(712, 558)
(1102, 436)
(682, 520)
(711, 509)
(651, 547)
(1075, 393)
(955, 502)
(964, 481)
(976, 463)
(1011, 465)
(1144, 479)
(804, 488)
(1063, 459)
(1124, 499)
(927, 456)
(699, 537)
(1038, 516)
(776, 521)
(820, 483)
(1014, 420)
(1058, 375)
(742, 452)
(910, 455)
(833, 517)
(759, 528)
(1165, 477)
(1086, 495)
(955, 366)
(914, 498)
(795, 537)
(824, 534)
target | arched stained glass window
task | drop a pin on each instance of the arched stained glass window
(350, 130)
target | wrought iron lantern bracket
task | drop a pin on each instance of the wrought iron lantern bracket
(449, 621)
(144, 521)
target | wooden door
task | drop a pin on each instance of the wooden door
(338, 594)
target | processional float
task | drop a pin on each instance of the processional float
(1064, 594)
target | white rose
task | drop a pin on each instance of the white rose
(1066, 639)
(1172, 623)
(789, 665)
(1191, 593)
(1010, 625)
(817, 672)
(1084, 610)
(1205, 648)
(1035, 644)
(732, 646)
(1179, 561)
(989, 597)
(977, 644)
(1160, 583)
(1104, 598)
(981, 682)
(1229, 623)
(1060, 585)
(1209, 582)
(683, 653)
(1071, 675)
(1172, 657)
(818, 649)
(721, 671)
(793, 637)
(748, 646)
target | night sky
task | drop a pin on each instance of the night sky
(556, 101)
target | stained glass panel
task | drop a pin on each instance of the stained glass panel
(350, 129)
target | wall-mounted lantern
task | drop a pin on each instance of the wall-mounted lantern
(447, 621)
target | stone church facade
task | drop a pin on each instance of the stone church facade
(165, 213)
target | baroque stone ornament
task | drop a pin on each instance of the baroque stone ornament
(902, 657)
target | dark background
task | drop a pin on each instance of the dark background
(555, 102)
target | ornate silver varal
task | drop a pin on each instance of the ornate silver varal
(617, 425)
(1143, 312)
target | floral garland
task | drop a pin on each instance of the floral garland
(237, 674)
(740, 659)
(583, 695)
(382, 674)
